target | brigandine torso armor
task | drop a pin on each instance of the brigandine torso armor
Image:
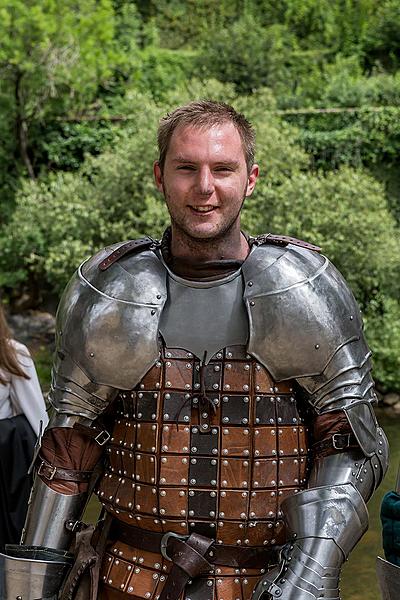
(212, 387)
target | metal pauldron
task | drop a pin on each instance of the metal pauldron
(281, 288)
(121, 305)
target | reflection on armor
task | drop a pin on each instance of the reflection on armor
(55, 509)
(28, 572)
(210, 452)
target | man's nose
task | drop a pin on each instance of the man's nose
(205, 182)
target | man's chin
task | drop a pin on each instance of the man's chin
(204, 233)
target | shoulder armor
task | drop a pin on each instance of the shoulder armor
(107, 321)
(300, 310)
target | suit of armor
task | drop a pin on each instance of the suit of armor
(235, 422)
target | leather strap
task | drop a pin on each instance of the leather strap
(90, 546)
(335, 443)
(49, 472)
(100, 436)
(283, 240)
(188, 562)
(132, 246)
(217, 554)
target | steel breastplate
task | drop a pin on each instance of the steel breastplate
(213, 449)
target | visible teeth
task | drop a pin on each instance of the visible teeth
(203, 208)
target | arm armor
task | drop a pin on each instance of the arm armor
(120, 305)
(327, 520)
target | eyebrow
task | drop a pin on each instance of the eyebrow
(181, 159)
(228, 163)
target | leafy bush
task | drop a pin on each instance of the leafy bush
(162, 70)
(63, 145)
(248, 55)
(382, 327)
(345, 213)
(65, 217)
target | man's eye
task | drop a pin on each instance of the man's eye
(185, 168)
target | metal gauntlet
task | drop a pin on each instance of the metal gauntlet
(27, 572)
(325, 524)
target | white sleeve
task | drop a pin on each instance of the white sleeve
(25, 394)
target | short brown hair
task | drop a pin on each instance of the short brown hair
(205, 113)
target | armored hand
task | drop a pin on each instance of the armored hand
(324, 524)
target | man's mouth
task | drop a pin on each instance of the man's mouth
(202, 209)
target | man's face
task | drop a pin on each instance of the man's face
(205, 180)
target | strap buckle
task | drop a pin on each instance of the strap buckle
(75, 526)
(340, 441)
(47, 471)
(102, 438)
(165, 539)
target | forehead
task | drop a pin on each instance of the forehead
(201, 142)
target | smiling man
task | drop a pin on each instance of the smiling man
(205, 171)
(222, 383)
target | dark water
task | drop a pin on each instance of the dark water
(359, 580)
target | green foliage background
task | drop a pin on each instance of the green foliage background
(83, 85)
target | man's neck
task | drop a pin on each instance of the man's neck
(232, 246)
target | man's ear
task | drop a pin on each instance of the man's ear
(252, 179)
(158, 176)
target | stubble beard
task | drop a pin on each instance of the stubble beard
(209, 240)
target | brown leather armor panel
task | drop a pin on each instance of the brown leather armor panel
(212, 450)
(132, 573)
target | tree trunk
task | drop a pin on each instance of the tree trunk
(22, 128)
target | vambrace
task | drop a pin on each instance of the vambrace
(71, 447)
(65, 465)
(65, 462)
(328, 519)
(53, 525)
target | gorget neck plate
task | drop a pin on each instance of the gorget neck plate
(204, 317)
